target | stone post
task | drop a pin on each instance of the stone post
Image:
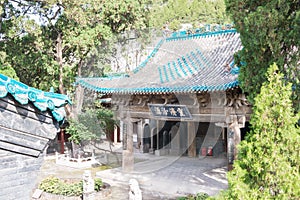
(135, 192)
(191, 139)
(88, 186)
(115, 134)
(128, 158)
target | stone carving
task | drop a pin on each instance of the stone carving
(88, 186)
(135, 192)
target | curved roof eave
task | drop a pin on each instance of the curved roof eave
(41, 100)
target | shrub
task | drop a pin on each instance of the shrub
(54, 185)
(198, 196)
(98, 184)
(57, 186)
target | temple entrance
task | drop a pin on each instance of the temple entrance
(172, 138)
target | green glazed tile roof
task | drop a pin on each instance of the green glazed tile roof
(42, 100)
(185, 63)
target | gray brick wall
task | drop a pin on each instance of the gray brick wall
(24, 134)
(18, 175)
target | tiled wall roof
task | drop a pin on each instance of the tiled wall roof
(42, 100)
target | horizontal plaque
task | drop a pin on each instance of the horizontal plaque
(170, 111)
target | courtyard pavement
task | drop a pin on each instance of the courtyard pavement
(169, 177)
(160, 177)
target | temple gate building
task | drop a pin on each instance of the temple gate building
(184, 99)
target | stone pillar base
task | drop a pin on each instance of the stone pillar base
(151, 150)
(88, 196)
(175, 152)
(161, 152)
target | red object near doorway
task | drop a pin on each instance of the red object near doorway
(203, 151)
(210, 151)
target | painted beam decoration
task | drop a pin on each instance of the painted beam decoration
(170, 111)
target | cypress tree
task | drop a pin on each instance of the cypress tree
(268, 163)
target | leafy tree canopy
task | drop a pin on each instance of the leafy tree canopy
(176, 12)
(5, 68)
(269, 33)
(46, 42)
(268, 161)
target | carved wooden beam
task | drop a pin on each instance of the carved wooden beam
(235, 99)
(203, 99)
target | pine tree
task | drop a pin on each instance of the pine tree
(268, 162)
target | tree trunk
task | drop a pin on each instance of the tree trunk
(78, 97)
(59, 59)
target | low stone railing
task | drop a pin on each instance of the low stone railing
(79, 162)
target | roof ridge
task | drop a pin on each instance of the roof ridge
(152, 54)
(198, 35)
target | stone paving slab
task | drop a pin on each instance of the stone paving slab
(168, 177)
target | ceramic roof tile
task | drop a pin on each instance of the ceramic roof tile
(40, 99)
(184, 63)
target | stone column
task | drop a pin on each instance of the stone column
(183, 137)
(146, 138)
(233, 139)
(124, 133)
(121, 130)
(235, 128)
(128, 158)
(115, 134)
(230, 148)
(191, 139)
(175, 141)
(152, 132)
(140, 135)
(157, 135)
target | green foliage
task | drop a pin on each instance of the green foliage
(277, 41)
(5, 68)
(57, 186)
(198, 196)
(98, 184)
(91, 124)
(51, 49)
(54, 185)
(268, 161)
(176, 12)
(105, 117)
(86, 127)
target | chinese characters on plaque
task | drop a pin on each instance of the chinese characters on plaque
(170, 111)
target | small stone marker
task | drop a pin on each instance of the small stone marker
(37, 194)
(135, 192)
(88, 186)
